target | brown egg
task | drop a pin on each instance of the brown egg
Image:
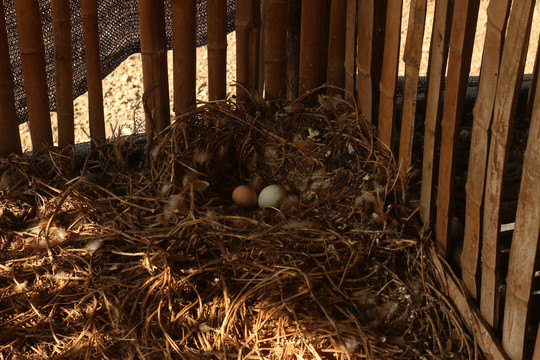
(244, 196)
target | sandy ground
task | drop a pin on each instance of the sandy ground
(122, 89)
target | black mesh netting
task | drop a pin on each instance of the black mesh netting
(119, 38)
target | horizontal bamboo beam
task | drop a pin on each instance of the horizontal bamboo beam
(217, 49)
(184, 23)
(32, 53)
(63, 67)
(93, 71)
(10, 141)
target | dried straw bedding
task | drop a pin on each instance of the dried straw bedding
(145, 256)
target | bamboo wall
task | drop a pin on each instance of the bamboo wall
(296, 46)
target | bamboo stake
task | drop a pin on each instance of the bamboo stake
(390, 65)
(525, 243)
(534, 80)
(350, 50)
(336, 46)
(496, 27)
(154, 63)
(184, 28)
(293, 48)
(248, 28)
(313, 47)
(10, 141)
(412, 58)
(93, 70)
(63, 67)
(217, 49)
(506, 98)
(536, 354)
(438, 55)
(370, 36)
(275, 49)
(464, 19)
(34, 76)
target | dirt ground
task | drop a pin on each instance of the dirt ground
(122, 89)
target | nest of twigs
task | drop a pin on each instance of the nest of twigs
(145, 256)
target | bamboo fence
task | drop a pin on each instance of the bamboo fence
(350, 44)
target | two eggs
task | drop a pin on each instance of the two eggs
(246, 197)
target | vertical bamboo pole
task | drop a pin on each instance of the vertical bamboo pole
(93, 70)
(438, 55)
(293, 48)
(536, 354)
(465, 15)
(63, 67)
(506, 98)
(524, 244)
(184, 27)
(350, 50)
(10, 141)
(336, 46)
(370, 36)
(534, 80)
(248, 27)
(217, 49)
(154, 63)
(412, 57)
(482, 113)
(275, 49)
(390, 65)
(313, 47)
(34, 76)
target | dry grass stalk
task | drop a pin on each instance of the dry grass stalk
(93, 71)
(412, 58)
(506, 97)
(154, 66)
(217, 49)
(9, 136)
(275, 49)
(184, 21)
(465, 14)
(160, 256)
(483, 111)
(438, 54)
(525, 239)
(63, 69)
(248, 30)
(313, 47)
(336, 47)
(389, 73)
(32, 53)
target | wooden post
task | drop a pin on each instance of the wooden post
(465, 15)
(350, 50)
(438, 55)
(412, 57)
(217, 49)
(275, 49)
(93, 70)
(524, 244)
(482, 113)
(313, 46)
(184, 22)
(370, 37)
(10, 141)
(63, 68)
(34, 76)
(293, 48)
(389, 73)
(336, 46)
(248, 29)
(506, 98)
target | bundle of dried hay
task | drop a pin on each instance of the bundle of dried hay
(147, 257)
